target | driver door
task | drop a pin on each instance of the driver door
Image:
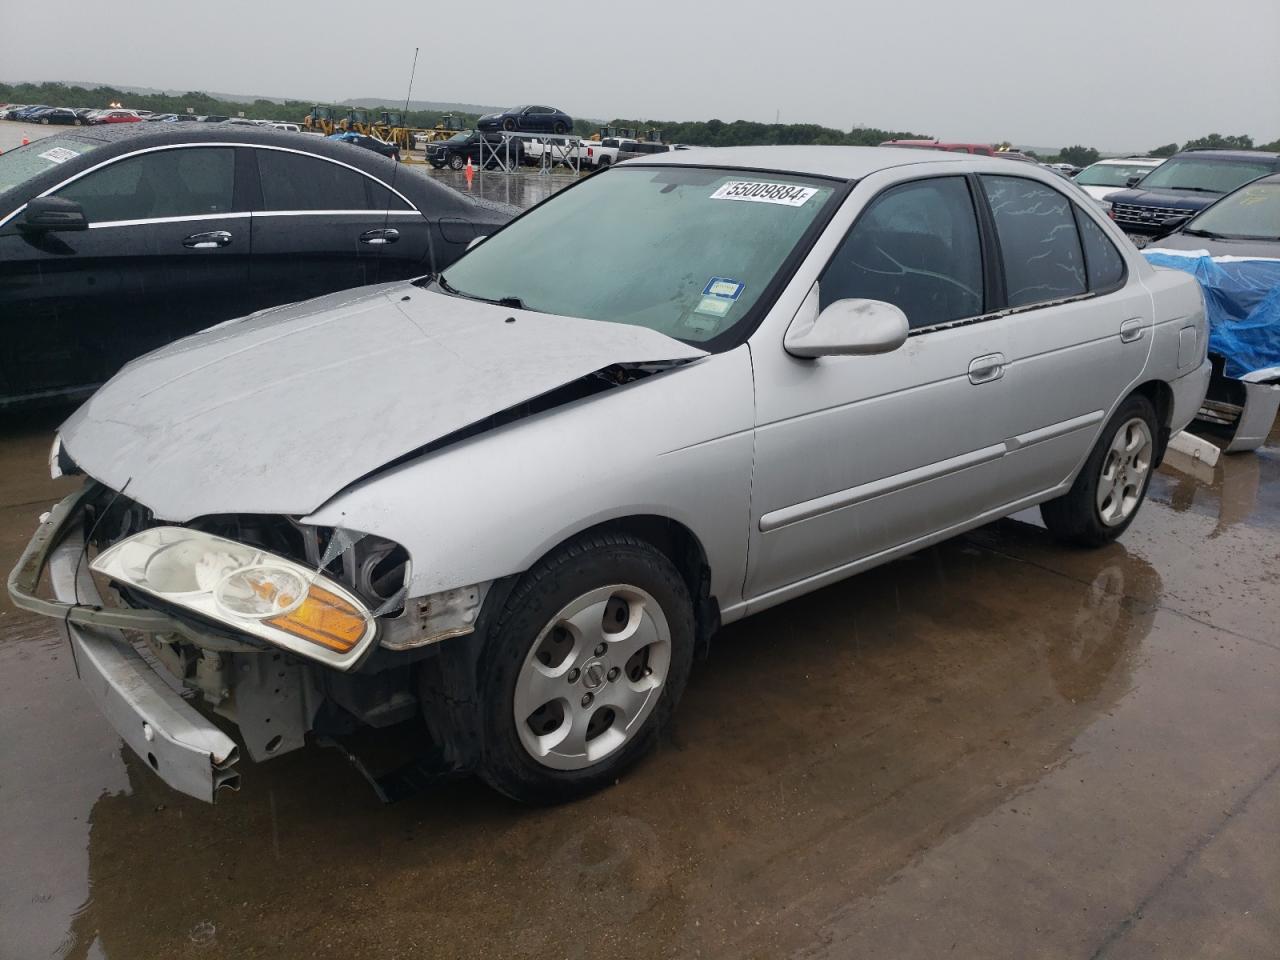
(859, 455)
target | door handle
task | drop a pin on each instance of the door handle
(206, 241)
(986, 368)
(1132, 329)
(388, 235)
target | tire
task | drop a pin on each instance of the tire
(559, 128)
(456, 162)
(604, 162)
(45, 121)
(603, 710)
(508, 125)
(1113, 482)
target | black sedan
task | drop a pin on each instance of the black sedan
(57, 115)
(533, 119)
(117, 240)
(368, 143)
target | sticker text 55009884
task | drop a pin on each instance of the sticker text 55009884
(787, 194)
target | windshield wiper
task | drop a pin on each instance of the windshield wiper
(1193, 189)
(1208, 234)
(515, 303)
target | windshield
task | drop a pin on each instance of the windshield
(1252, 213)
(1205, 174)
(683, 251)
(1110, 174)
(460, 137)
(22, 163)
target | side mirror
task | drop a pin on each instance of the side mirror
(53, 213)
(1133, 181)
(476, 241)
(846, 328)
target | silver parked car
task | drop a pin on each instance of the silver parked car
(515, 499)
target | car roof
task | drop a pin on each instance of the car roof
(1129, 161)
(1231, 154)
(844, 163)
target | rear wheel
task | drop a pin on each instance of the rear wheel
(559, 127)
(584, 666)
(1113, 482)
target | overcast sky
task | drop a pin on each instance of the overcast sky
(1105, 73)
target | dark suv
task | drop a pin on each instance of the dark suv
(1184, 185)
(486, 149)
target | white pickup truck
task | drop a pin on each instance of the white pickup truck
(554, 149)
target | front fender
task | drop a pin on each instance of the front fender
(676, 445)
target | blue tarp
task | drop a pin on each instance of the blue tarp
(1242, 298)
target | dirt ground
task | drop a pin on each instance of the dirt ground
(995, 748)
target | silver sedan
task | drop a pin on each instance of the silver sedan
(511, 502)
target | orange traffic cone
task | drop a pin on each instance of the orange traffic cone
(25, 141)
(470, 171)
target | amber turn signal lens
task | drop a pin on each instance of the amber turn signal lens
(324, 618)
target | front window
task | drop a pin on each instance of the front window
(1110, 174)
(687, 252)
(1252, 213)
(1205, 174)
(22, 163)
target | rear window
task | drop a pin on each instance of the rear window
(22, 163)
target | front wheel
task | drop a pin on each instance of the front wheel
(456, 162)
(1113, 482)
(508, 124)
(584, 666)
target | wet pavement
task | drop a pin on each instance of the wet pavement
(995, 748)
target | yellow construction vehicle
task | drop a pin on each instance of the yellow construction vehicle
(356, 121)
(319, 120)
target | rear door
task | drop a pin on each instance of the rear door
(166, 254)
(1078, 332)
(322, 225)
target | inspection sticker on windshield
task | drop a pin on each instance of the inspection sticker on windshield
(59, 155)
(713, 306)
(787, 194)
(723, 287)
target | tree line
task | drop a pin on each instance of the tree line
(702, 133)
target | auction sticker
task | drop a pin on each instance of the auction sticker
(723, 287)
(713, 306)
(59, 155)
(755, 191)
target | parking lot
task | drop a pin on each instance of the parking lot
(995, 747)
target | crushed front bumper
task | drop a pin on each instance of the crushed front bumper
(185, 749)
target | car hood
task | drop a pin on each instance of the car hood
(277, 412)
(1217, 247)
(1175, 199)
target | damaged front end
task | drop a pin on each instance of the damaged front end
(279, 627)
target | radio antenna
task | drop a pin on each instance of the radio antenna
(404, 117)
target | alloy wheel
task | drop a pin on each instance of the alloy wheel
(1124, 472)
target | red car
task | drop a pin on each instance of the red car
(116, 116)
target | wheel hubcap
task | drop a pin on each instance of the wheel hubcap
(592, 677)
(1124, 472)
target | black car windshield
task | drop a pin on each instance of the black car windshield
(1110, 174)
(22, 163)
(680, 250)
(1251, 213)
(1205, 174)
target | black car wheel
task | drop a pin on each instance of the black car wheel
(456, 162)
(509, 124)
(560, 127)
(45, 121)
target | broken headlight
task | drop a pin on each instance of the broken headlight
(247, 589)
